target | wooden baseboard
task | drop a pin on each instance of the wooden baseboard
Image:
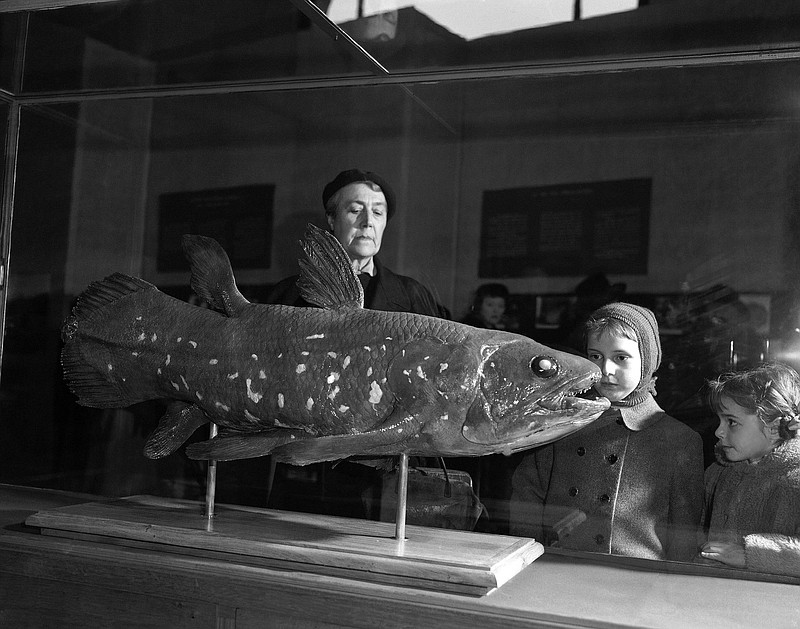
(429, 558)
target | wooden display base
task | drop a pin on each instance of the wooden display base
(432, 559)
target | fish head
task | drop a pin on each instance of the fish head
(528, 395)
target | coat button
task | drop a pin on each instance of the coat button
(573, 491)
(619, 421)
(599, 539)
(612, 458)
(581, 451)
(605, 498)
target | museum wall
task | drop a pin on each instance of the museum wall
(721, 197)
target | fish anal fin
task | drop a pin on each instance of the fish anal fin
(212, 275)
(174, 428)
(232, 446)
(327, 278)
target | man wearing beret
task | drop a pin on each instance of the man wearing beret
(358, 205)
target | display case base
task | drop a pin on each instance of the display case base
(442, 560)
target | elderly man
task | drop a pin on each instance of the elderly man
(358, 205)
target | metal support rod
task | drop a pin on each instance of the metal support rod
(211, 478)
(402, 495)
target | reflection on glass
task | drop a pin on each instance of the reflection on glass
(538, 183)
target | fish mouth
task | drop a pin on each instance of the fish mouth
(575, 395)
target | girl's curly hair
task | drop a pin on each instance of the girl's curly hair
(770, 390)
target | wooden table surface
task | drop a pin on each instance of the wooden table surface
(50, 581)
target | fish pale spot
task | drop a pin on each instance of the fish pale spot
(442, 367)
(369, 372)
(388, 338)
(280, 355)
(213, 361)
(426, 358)
(233, 376)
(403, 353)
(179, 339)
(315, 336)
(134, 353)
(124, 380)
(199, 397)
(383, 381)
(407, 372)
(110, 366)
(421, 373)
(345, 362)
(333, 377)
(175, 384)
(254, 356)
(444, 417)
(343, 408)
(166, 362)
(332, 354)
(368, 348)
(292, 437)
(262, 375)
(300, 368)
(334, 392)
(142, 337)
(250, 416)
(399, 430)
(193, 344)
(138, 318)
(310, 403)
(185, 384)
(465, 428)
(383, 348)
(253, 395)
(280, 400)
(305, 353)
(158, 371)
(222, 406)
(375, 392)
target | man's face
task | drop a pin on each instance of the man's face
(359, 220)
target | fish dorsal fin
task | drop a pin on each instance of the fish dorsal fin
(327, 278)
(212, 275)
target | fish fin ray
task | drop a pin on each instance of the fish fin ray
(174, 428)
(241, 445)
(327, 278)
(98, 295)
(92, 387)
(212, 276)
(385, 439)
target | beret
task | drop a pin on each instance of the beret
(355, 175)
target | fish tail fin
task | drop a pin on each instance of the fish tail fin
(87, 371)
(327, 278)
(212, 275)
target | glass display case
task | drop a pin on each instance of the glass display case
(667, 129)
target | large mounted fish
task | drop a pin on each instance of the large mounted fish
(315, 384)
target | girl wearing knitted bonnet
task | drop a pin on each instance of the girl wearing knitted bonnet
(631, 482)
(752, 507)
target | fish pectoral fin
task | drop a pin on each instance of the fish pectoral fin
(174, 428)
(385, 439)
(243, 445)
(212, 276)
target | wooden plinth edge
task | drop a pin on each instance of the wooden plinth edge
(434, 559)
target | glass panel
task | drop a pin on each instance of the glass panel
(10, 24)
(677, 184)
(427, 34)
(141, 44)
(175, 42)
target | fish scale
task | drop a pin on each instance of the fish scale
(314, 384)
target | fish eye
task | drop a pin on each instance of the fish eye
(544, 366)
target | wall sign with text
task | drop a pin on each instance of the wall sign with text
(239, 218)
(570, 229)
